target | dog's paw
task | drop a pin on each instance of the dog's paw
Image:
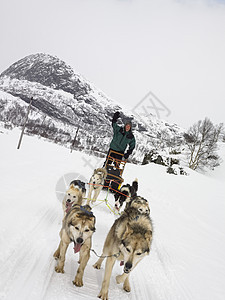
(59, 270)
(97, 266)
(126, 287)
(119, 279)
(78, 281)
(56, 254)
(103, 295)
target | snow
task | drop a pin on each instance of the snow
(186, 260)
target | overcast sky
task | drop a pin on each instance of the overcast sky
(127, 48)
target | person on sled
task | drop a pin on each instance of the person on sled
(122, 137)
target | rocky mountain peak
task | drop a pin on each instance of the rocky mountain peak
(47, 70)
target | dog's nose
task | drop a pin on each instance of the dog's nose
(80, 240)
(68, 200)
(93, 182)
(128, 265)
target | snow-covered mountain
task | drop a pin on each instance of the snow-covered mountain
(64, 100)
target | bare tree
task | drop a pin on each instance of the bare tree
(220, 131)
(201, 139)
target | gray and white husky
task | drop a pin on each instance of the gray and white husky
(74, 195)
(128, 240)
(77, 227)
(96, 184)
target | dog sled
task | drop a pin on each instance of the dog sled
(115, 168)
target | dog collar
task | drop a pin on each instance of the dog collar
(90, 213)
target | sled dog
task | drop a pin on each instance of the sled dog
(74, 195)
(140, 204)
(125, 193)
(96, 184)
(78, 227)
(129, 241)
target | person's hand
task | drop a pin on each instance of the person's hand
(116, 115)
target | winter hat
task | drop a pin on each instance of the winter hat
(128, 122)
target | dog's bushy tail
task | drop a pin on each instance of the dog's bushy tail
(135, 185)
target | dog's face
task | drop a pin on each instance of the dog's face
(140, 204)
(73, 196)
(134, 247)
(81, 227)
(97, 178)
(80, 185)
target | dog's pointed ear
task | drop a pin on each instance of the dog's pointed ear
(123, 232)
(72, 218)
(148, 235)
(80, 199)
(94, 219)
(127, 231)
(105, 173)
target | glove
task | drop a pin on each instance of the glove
(126, 155)
(116, 115)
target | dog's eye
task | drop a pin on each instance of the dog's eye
(74, 196)
(77, 228)
(86, 230)
(68, 194)
(139, 253)
(128, 250)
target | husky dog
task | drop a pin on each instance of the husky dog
(78, 227)
(128, 240)
(74, 195)
(80, 185)
(96, 184)
(140, 204)
(125, 193)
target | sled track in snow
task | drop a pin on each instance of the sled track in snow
(33, 258)
(29, 258)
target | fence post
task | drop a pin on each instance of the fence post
(75, 138)
(24, 125)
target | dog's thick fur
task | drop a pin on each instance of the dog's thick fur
(139, 203)
(78, 227)
(130, 237)
(74, 195)
(125, 193)
(96, 184)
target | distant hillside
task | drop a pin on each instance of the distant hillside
(64, 100)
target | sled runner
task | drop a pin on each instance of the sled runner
(115, 168)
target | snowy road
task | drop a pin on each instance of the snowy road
(187, 256)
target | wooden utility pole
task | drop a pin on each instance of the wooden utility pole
(24, 125)
(75, 138)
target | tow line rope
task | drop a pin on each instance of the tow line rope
(104, 256)
(109, 187)
(110, 207)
